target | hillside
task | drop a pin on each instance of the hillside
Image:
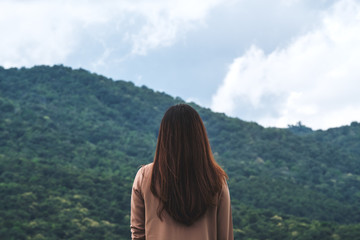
(71, 142)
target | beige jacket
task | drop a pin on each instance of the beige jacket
(215, 224)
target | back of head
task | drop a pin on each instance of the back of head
(185, 176)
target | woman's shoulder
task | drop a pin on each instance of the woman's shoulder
(146, 169)
(143, 172)
(224, 193)
(142, 178)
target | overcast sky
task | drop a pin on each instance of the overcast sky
(272, 62)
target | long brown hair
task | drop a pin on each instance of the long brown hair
(185, 175)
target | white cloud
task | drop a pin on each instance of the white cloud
(315, 79)
(40, 32)
(166, 20)
(47, 32)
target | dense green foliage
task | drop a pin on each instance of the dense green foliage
(71, 143)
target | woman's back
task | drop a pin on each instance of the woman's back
(216, 223)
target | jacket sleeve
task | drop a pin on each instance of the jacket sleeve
(224, 216)
(137, 220)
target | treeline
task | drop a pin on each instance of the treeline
(71, 142)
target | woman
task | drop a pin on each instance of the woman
(183, 194)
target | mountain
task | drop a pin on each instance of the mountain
(71, 142)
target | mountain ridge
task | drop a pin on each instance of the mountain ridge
(83, 132)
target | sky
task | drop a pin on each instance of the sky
(276, 62)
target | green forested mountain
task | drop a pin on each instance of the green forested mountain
(71, 143)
